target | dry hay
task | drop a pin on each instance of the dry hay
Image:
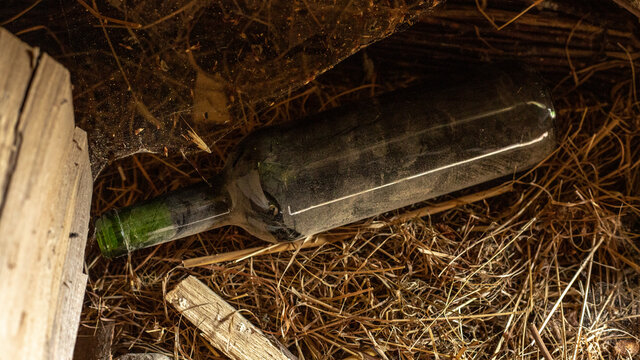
(559, 252)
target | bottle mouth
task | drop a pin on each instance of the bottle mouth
(109, 235)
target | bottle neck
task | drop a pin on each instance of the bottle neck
(169, 217)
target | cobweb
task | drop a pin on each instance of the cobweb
(176, 76)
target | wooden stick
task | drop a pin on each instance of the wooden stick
(222, 325)
(326, 239)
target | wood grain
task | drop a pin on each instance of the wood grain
(45, 196)
(221, 324)
(17, 63)
(68, 288)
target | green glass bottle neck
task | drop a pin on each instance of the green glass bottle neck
(169, 217)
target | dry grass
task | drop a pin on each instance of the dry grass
(559, 252)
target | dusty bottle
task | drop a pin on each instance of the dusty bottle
(287, 182)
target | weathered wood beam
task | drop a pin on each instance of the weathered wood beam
(221, 324)
(45, 194)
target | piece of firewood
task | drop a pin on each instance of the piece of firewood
(221, 324)
(45, 194)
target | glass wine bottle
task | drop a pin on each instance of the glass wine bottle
(287, 182)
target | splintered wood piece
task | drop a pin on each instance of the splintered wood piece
(221, 324)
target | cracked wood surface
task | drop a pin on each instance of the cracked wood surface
(45, 194)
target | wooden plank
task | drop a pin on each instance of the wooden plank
(29, 214)
(222, 325)
(68, 286)
(17, 63)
